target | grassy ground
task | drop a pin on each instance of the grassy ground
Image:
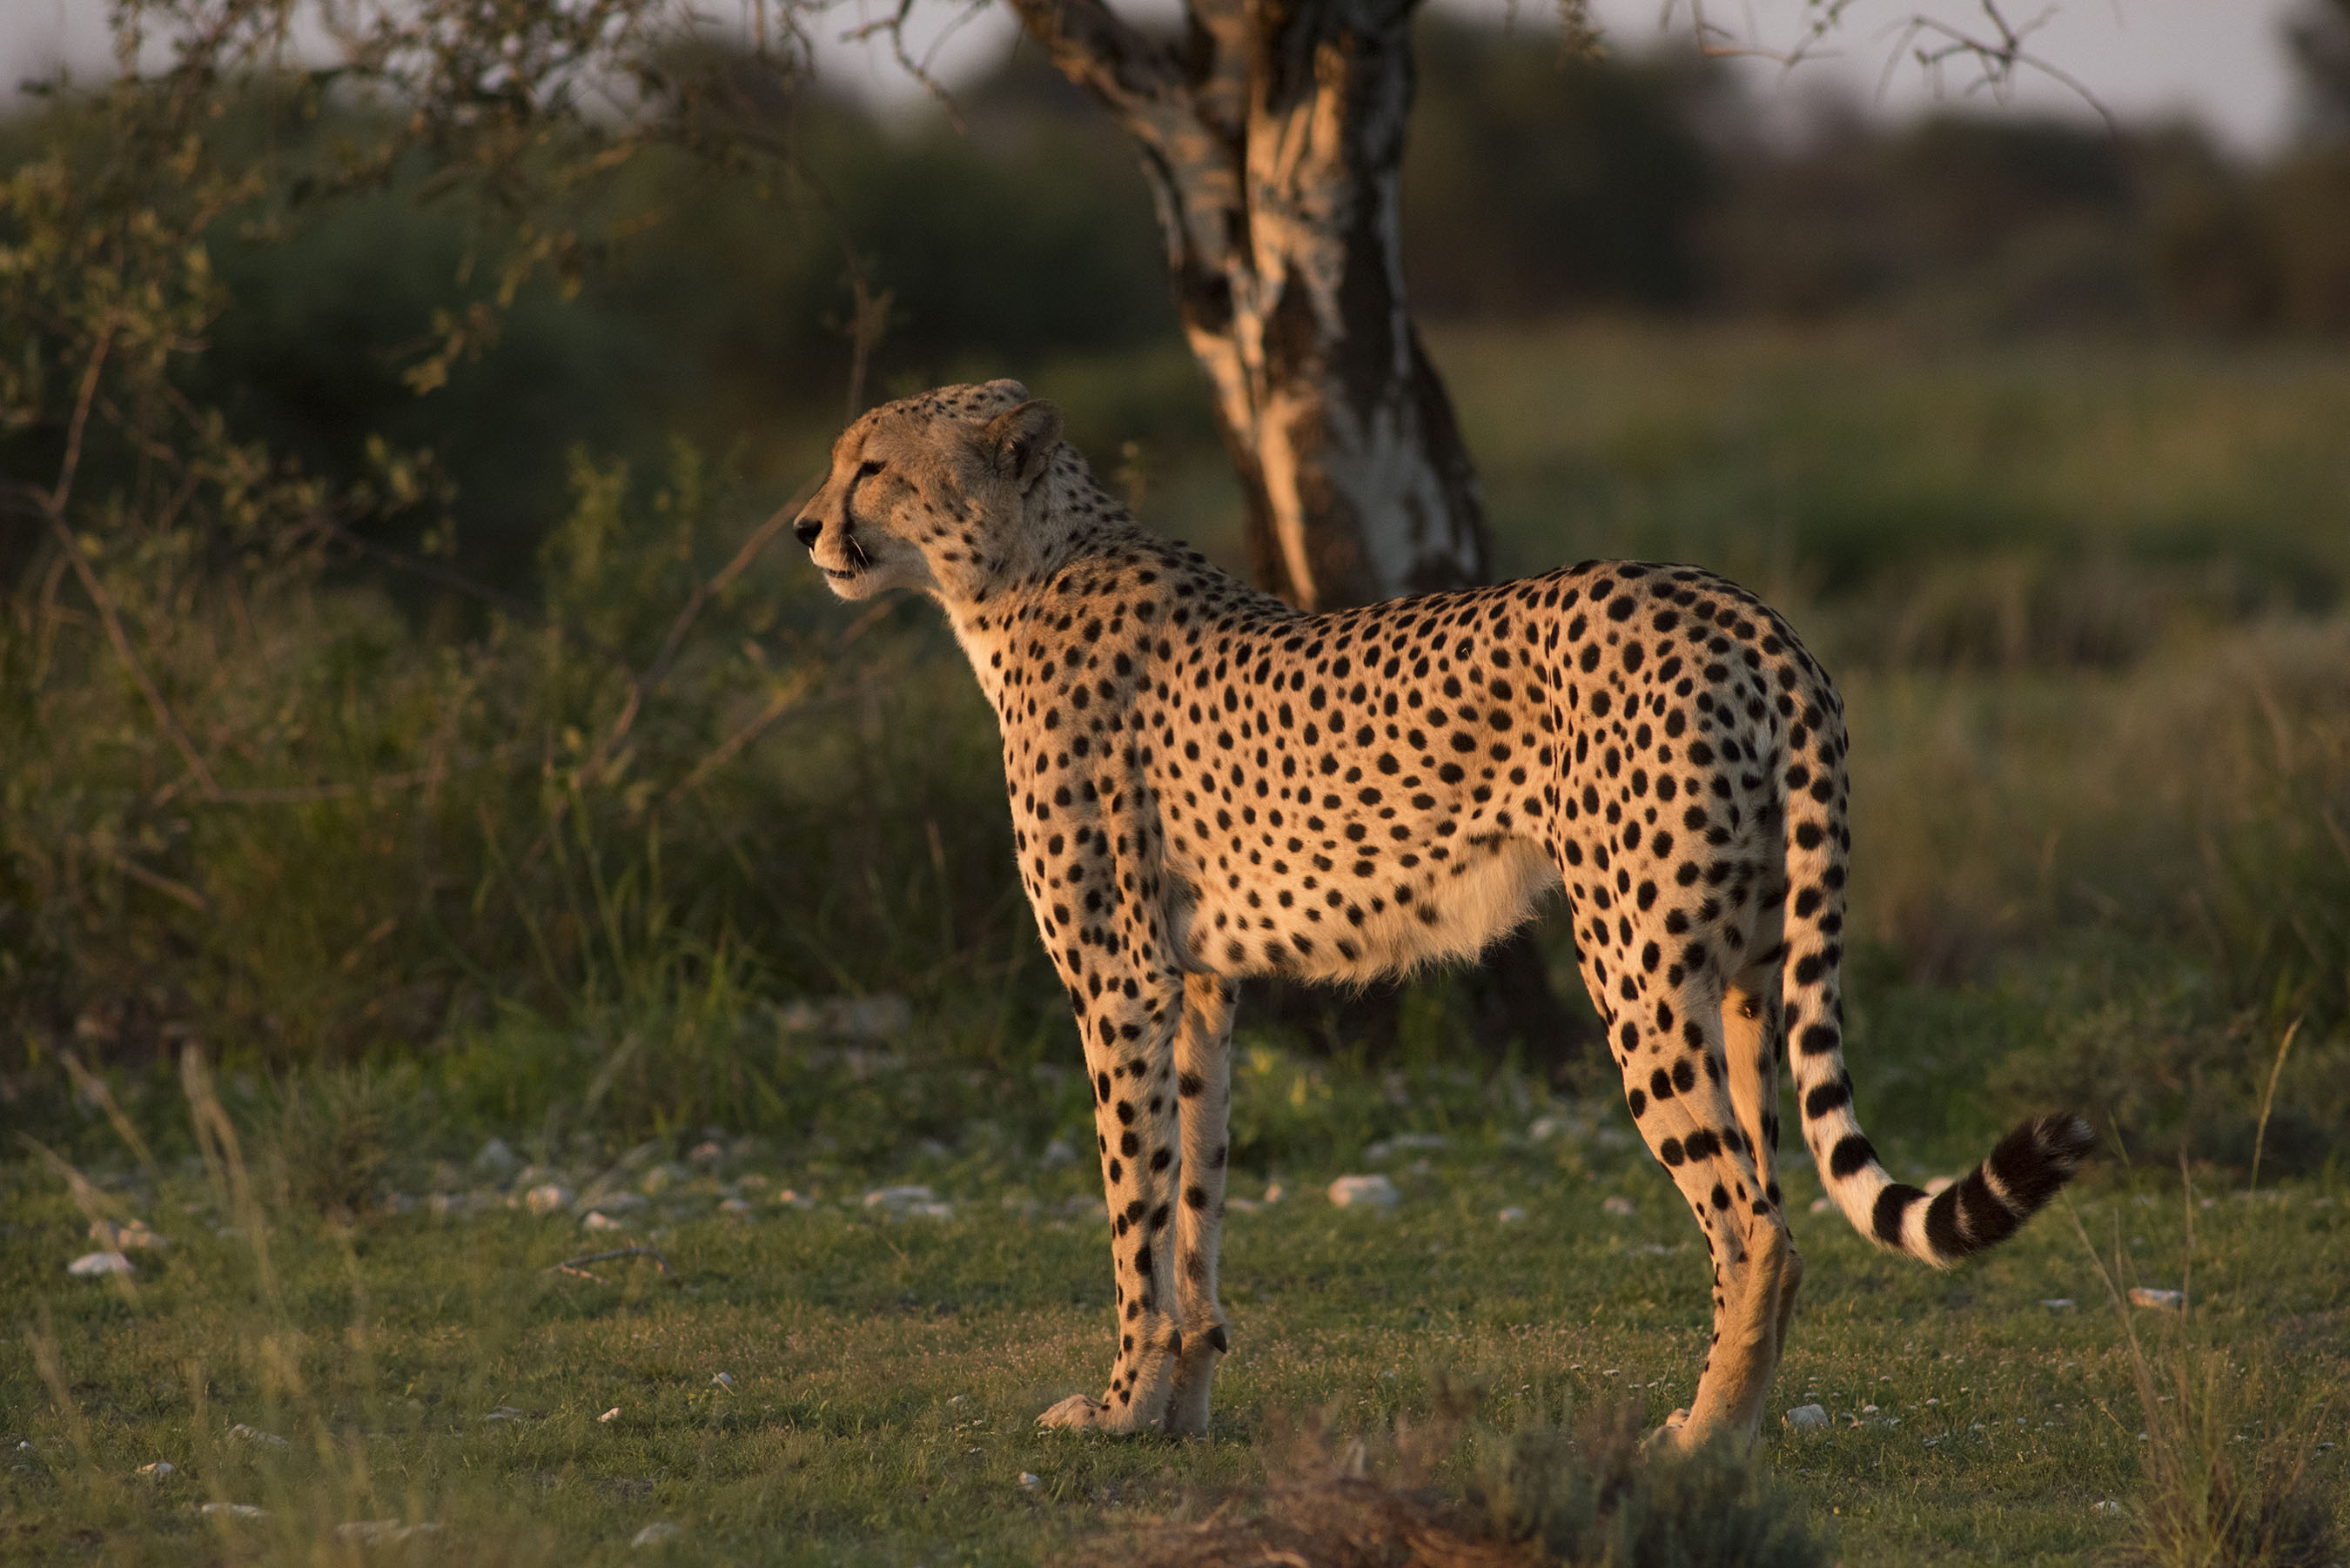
(2086, 610)
(882, 1370)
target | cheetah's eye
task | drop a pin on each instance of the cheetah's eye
(868, 469)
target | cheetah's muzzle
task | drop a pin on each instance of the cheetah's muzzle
(1206, 784)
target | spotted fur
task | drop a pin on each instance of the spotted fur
(1206, 784)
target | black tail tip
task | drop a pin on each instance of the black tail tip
(2035, 1160)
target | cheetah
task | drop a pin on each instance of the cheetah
(1207, 784)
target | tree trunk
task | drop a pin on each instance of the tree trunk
(1273, 142)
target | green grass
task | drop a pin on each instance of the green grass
(886, 1372)
(2086, 605)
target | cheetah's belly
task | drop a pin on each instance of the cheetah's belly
(1328, 918)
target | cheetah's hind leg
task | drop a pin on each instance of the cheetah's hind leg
(1203, 1076)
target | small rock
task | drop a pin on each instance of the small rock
(2107, 1506)
(724, 1380)
(1275, 1193)
(254, 1435)
(1512, 1215)
(599, 1220)
(1243, 1204)
(131, 1238)
(738, 1206)
(1057, 1154)
(661, 1178)
(929, 1210)
(657, 1533)
(1405, 1142)
(1805, 1419)
(161, 1470)
(90, 1265)
(503, 1412)
(1823, 1204)
(496, 1159)
(1621, 1207)
(1030, 1481)
(899, 1196)
(705, 1154)
(1363, 1192)
(793, 1200)
(2057, 1303)
(882, 1016)
(384, 1531)
(548, 1198)
(610, 1416)
(2149, 1296)
(1546, 1129)
(236, 1510)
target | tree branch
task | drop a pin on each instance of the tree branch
(1135, 78)
(111, 617)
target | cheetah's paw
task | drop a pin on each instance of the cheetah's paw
(1673, 1436)
(1076, 1410)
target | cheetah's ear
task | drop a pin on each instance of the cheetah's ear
(1021, 440)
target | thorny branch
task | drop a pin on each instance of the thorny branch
(1999, 60)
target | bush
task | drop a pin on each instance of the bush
(1542, 1497)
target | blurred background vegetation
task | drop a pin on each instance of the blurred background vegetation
(416, 732)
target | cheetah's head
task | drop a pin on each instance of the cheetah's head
(941, 492)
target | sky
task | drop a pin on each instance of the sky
(2222, 61)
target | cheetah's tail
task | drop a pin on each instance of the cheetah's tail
(1978, 1211)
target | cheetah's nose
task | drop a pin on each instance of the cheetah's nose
(806, 529)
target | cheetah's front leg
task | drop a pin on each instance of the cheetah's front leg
(1130, 1057)
(1203, 1080)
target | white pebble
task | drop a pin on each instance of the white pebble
(2108, 1506)
(244, 1434)
(610, 1416)
(1030, 1481)
(2149, 1296)
(161, 1470)
(237, 1509)
(496, 1158)
(1621, 1207)
(598, 1221)
(1512, 1215)
(657, 1533)
(1805, 1419)
(1363, 1192)
(899, 1196)
(548, 1197)
(2057, 1303)
(723, 1380)
(384, 1531)
(90, 1265)
(738, 1206)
